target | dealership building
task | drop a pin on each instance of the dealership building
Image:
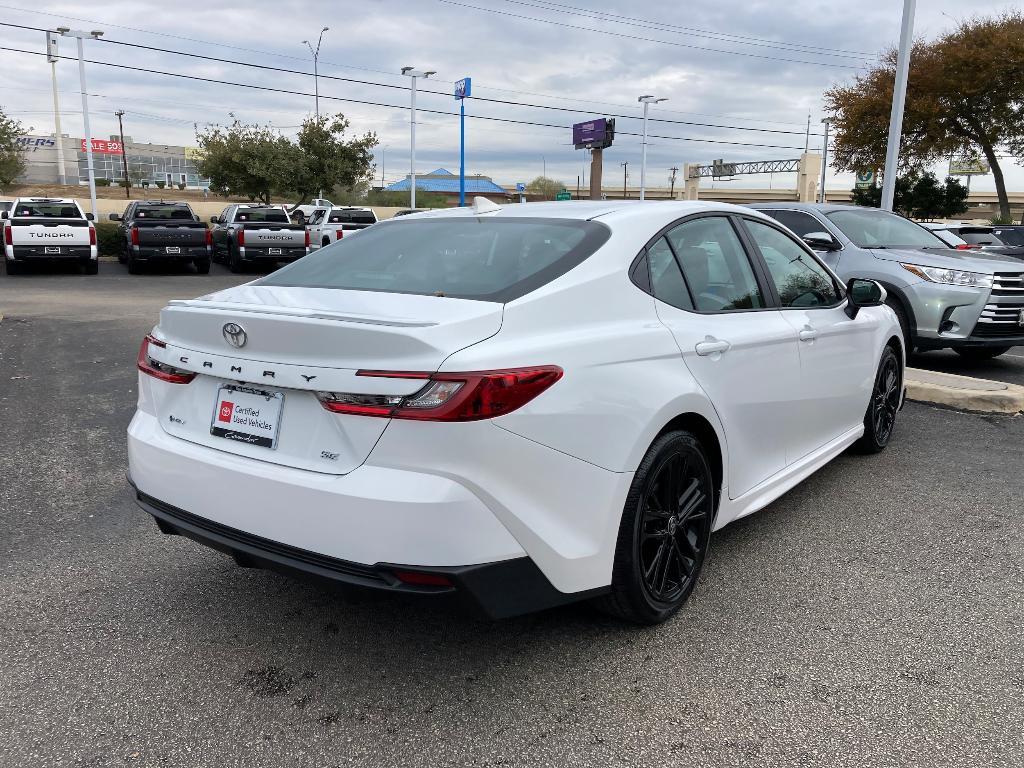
(148, 164)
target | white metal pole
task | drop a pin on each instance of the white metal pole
(899, 97)
(824, 160)
(412, 148)
(88, 133)
(643, 155)
(61, 176)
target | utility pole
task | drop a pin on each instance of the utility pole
(807, 136)
(824, 159)
(79, 34)
(672, 183)
(51, 56)
(899, 97)
(382, 167)
(413, 73)
(646, 101)
(124, 155)
(316, 73)
(624, 165)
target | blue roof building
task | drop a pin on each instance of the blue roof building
(445, 182)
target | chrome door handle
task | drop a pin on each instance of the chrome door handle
(808, 334)
(711, 346)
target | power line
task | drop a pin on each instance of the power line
(725, 37)
(505, 102)
(649, 39)
(287, 91)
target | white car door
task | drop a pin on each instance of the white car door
(739, 349)
(837, 354)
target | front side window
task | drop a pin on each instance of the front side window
(716, 268)
(799, 279)
(489, 259)
(872, 228)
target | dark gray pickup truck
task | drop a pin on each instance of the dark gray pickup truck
(250, 234)
(158, 231)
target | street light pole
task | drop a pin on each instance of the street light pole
(51, 56)
(124, 155)
(624, 165)
(646, 101)
(79, 35)
(672, 183)
(413, 73)
(824, 159)
(899, 97)
(316, 73)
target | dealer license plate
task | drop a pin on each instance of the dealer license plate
(274, 251)
(173, 249)
(51, 249)
(247, 415)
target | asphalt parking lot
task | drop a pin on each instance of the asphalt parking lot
(872, 616)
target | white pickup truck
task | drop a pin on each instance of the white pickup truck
(302, 213)
(328, 225)
(47, 228)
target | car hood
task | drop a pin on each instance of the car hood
(985, 262)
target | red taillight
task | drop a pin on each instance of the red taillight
(92, 235)
(8, 235)
(449, 396)
(241, 238)
(340, 233)
(159, 370)
(209, 237)
(423, 578)
(968, 247)
(135, 236)
(307, 238)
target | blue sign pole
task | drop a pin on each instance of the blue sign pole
(462, 90)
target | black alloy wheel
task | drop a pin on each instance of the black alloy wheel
(665, 531)
(880, 419)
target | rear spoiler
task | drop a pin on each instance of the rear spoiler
(263, 309)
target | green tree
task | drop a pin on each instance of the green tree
(965, 96)
(920, 196)
(545, 187)
(329, 161)
(250, 161)
(12, 160)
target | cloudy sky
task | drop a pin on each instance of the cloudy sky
(740, 76)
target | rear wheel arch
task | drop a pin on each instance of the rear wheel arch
(706, 434)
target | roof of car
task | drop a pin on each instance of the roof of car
(589, 209)
(822, 207)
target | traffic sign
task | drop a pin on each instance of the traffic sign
(865, 179)
(563, 195)
(520, 187)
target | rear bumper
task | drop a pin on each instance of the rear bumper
(496, 590)
(159, 253)
(254, 253)
(38, 253)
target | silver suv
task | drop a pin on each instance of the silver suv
(967, 300)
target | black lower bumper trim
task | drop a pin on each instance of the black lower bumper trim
(972, 341)
(498, 590)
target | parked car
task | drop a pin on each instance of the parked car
(301, 213)
(978, 235)
(328, 225)
(970, 301)
(953, 241)
(408, 212)
(247, 234)
(522, 405)
(48, 229)
(158, 231)
(1010, 234)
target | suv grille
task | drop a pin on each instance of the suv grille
(1004, 313)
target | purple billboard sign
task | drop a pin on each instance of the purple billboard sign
(593, 134)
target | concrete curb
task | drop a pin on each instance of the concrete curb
(963, 392)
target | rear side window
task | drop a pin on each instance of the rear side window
(51, 210)
(666, 279)
(1008, 236)
(716, 268)
(468, 258)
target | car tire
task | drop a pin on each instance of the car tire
(901, 316)
(202, 266)
(122, 255)
(92, 267)
(134, 267)
(326, 242)
(12, 267)
(234, 259)
(664, 533)
(886, 395)
(980, 354)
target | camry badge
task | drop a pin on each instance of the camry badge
(234, 334)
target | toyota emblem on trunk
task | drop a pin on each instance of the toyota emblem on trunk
(234, 334)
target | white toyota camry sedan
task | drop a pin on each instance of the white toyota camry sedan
(523, 405)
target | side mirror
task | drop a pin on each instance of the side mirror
(90, 217)
(3, 215)
(863, 293)
(820, 241)
(215, 219)
(114, 217)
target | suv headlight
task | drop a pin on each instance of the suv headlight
(950, 276)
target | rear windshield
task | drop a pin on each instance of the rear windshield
(466, 258)
(180, 212)
(51, 210)
(1008, 236)
(272, 215)
(353, 217)
(979, 237)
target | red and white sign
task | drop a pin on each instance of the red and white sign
(226, 409)
(105, 147)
